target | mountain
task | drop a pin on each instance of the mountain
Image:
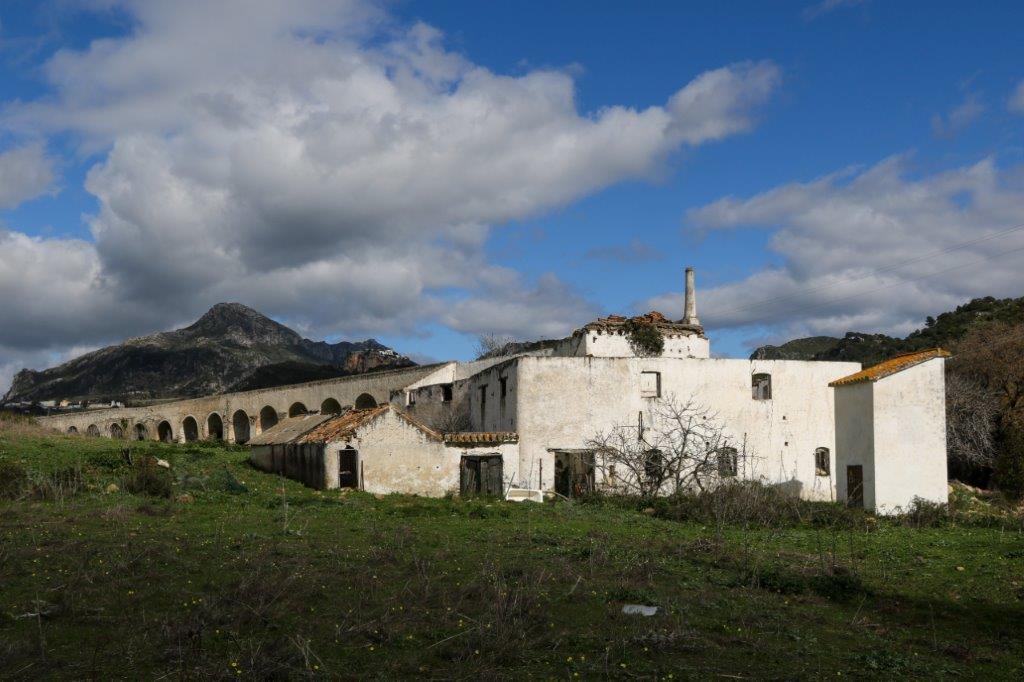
(945, 331)
(231, 347)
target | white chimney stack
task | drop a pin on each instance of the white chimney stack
(690, 305)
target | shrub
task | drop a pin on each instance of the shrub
(146, 478)
(13, 480)
(1010, 462)
(225, 481)
(644, 337)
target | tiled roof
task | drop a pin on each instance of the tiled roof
(343, 427)
(891, 366)
(481, 437)
(287, 430)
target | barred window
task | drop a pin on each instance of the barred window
(822, 462)
(728, 461)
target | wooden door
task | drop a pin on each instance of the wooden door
(855, 486)
(481, 475)
(348, 468)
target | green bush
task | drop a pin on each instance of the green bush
(146, 478)
(644, 337)
(1009, 475)
(13, 480)
(225, 481)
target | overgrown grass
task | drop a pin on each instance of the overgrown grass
(240, 574)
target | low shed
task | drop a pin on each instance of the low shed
(383, 450)
(891, 433)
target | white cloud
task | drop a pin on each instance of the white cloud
(1016, 101)
(329, 167)
(961, 116)
(25, 173)
(870, 250)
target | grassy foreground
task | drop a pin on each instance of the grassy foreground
(239, 574)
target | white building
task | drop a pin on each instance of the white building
(532, 417)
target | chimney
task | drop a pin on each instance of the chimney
(690, 307)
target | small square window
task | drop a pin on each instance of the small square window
(650, 384)
(761, 387)
(822, 462)
(728, 462)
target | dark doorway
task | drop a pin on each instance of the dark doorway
(191, 429)
(855, 486)
(116, 431)
(268, 418)
(348, 468)
(140, 432)
(330, 406)
(481, 475)
(365, 401)
(214, 427)
(297, 409)
(240, 424)
(574, 473)
(164, 432)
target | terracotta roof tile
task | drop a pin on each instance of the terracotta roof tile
(343, 427)
(481, 437)
(891, 366)
(615, 323)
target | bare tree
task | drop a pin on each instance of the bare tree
(451, 421)
(971, 415)
(685, 447)
(492, 345)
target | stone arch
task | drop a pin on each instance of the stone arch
(116, 432)
(330, 406)
(93, 431)
(190, 427)
(72, 430)
(296, 409)
(164, 432)
(365, 401)
(240, 425)
(214, 427)
(141, 432)
(268, 418)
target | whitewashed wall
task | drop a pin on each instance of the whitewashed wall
(561, 403)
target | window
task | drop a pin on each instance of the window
(412, 399)
(727, 462)
(504, 386)
(483, 404)
(654, 465)
(822, 462)
(761, 387)
(446, 393)
(650, 384)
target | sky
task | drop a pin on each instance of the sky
(426, 172)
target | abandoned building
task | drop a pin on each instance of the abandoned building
(520, 424)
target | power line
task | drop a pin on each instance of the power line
(873, 273)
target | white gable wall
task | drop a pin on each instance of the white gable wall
(855, 440)
(910, 437)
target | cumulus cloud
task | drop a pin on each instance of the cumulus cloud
(1016, 101)
(25, 173)
(961, 116)
(873, 249)
(330, 167)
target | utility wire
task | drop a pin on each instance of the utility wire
(878, 271)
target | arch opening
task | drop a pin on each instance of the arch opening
(296, 409)
(72, 431)
(116, 432)
(141, 432)
(330, 406)
(240, 425)
(190, 427)
(93, 431)
(365, 401)
(164, 432)
(268, 418)
(214, 427)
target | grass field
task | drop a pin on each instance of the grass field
(239, 574)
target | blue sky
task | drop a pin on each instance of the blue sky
(847, 139)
